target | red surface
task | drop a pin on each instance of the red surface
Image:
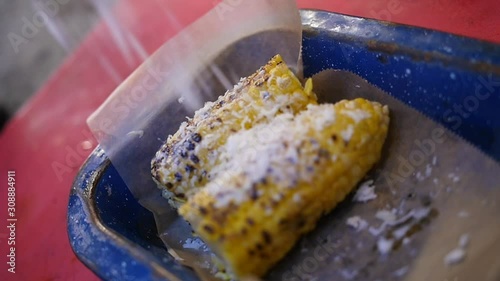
(47, 141)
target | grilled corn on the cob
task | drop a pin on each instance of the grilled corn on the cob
(275, 180)
(184, 162)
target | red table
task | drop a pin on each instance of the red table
(48, 140)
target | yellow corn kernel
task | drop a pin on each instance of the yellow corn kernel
(277, 179)
(185, 161)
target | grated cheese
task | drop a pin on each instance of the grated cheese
(357, 223)
(455, 256)
(262, 153)
(366, 192)
(356, 114)
(347, 133)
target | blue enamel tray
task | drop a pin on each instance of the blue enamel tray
(452, 79)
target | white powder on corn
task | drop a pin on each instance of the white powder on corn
(269, 110)
(283, 82)
(347, 133)
(266, 150)
(350, 104)
(277, 197)
(356, 114)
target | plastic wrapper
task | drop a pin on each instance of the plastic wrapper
(451, 187)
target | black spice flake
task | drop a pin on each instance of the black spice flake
(184, 154)
(203, 210)
(196, 137)
(208, 229)
(267, 237)
(178, 176)
(195, 159)
(190, 168)
(190, 146)
(324, 153)
(253, 193)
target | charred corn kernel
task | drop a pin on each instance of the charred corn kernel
(277, 179)
(184, 162)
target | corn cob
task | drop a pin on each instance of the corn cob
(277, 179)
(184, 162)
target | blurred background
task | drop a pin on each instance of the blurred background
(24, 70)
